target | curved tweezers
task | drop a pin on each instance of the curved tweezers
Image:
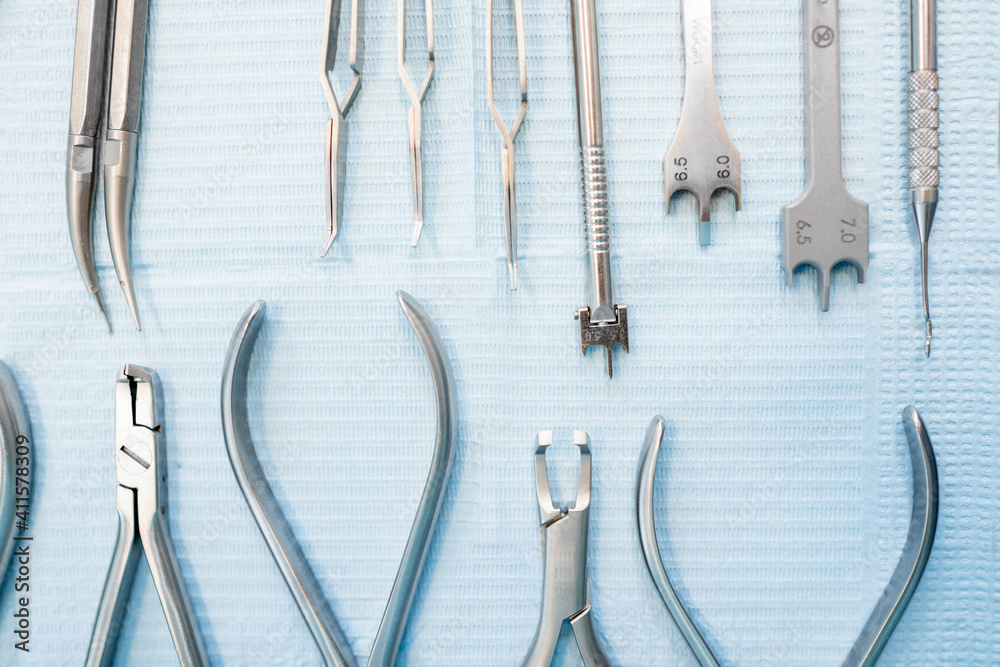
(14, 434)
(896, 596)
(272, 523)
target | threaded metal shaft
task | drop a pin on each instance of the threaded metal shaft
(595, 199)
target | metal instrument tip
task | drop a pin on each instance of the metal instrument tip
(418, 226)
(927, 341)
(104, 310)
(130, 298)
(512, 272)
(329, 244)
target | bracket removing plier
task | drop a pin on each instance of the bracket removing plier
(141, 469)
(565, 587)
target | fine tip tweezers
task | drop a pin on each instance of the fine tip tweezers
(336, 127)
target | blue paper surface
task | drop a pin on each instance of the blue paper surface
(783, 493)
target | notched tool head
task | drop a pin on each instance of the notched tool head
(604, 334)
(824, 229)
(550, 510)
(702, 161)
(138, 447)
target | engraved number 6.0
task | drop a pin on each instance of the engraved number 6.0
(724, 161)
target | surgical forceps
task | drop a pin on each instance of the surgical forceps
(336, 127)
(507, 151)
(414, 117)
(923, 142)
(122, 67)
(565, 584)
(141, 469)
(15, 465)
(898, 592)
(274, 526)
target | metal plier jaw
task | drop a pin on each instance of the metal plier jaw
(141, 471)
(565, 585)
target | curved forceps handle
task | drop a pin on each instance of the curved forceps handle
(916, 550)
(299, 577)
(646, 480)
(390, 630)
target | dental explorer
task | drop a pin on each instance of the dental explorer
(922, 111)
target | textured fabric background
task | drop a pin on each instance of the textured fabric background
(784, 490)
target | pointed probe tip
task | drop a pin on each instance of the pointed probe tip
(927, 340)
(418, 226)
(512, 273)
(611, 368)
(329, 244)
(130, 299)
(104, 309)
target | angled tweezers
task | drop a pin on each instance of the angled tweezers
(336, 127)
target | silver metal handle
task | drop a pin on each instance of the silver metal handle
(302, 582)
(594, 164)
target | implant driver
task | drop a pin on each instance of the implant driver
(603, 323)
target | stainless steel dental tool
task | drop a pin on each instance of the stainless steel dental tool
(302, 583)
(922, 111)
(336, 127)
(827, 225)
(565, 583)
(415, 115)
(603, 322)
(507, 150)
(902, 584)
(122, 67)
(141, 470)
(702, 158)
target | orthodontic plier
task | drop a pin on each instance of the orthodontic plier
(141, 470)
(298, 575)
(565, 582)
(121, 67)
